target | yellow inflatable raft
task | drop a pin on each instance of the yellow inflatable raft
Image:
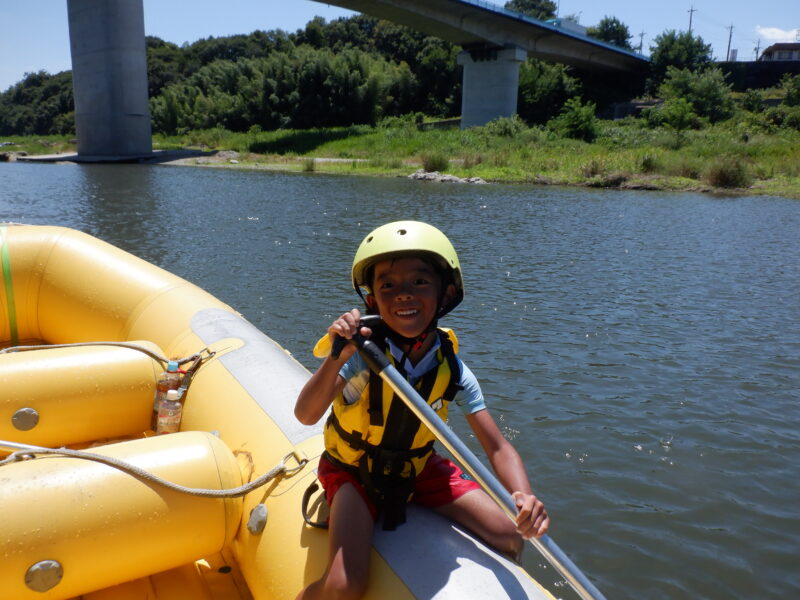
(122, 513)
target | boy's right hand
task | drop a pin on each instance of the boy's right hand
(347, 326)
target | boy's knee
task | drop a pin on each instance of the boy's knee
(508, 541)
(339, 586)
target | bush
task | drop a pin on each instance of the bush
(729, 172)
(753, 101)
(649, 163)
(683, 167)
(774, 117)
(781, 116)
(505, 126)
(677, 114)
(576, 120)
(472, 160)
(791, 85)
(593, 168)
(434, 161)
(793, 118)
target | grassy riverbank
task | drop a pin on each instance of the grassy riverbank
(731, 157)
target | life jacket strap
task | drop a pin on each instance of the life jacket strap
(356, 441)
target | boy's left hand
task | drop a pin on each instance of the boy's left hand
(532, 519)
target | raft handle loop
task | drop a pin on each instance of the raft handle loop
(304, 506)
(189, 374)
(301, 461)
(26, 452)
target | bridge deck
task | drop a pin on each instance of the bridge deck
(473, 23)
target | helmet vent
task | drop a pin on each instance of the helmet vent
(402, 231)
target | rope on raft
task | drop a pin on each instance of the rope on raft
(280, 469)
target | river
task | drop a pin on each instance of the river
(640, 349)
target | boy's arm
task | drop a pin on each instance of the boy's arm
(532, 519)
(325, 384)
(319, 391)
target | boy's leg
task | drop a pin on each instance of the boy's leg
(476, 511)
(444, 487)
(349, 548)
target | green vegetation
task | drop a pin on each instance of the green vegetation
(538, 9)
(613, 31)
(744, 152)
(358, 95)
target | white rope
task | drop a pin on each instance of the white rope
(127, 467)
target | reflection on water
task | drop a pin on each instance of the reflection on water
(641, 350)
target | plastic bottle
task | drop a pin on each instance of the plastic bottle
(170, 412)
(168, 380)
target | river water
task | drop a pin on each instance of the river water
(641, 350)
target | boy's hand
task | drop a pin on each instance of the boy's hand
(346, 326)
(532, 519)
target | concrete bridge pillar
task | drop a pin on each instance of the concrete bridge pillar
(109, 77)
(489, 85)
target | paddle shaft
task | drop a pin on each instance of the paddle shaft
(546, 547)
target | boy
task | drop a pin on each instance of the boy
(378, 456)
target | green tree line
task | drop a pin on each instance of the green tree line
(360, 70)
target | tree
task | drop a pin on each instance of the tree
(613, 31)
(679, 50)
(543, 89)
(706, 91)
(538, 9)
(40, 104)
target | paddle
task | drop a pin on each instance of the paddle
(380, 364)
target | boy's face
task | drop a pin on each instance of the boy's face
(405, 292)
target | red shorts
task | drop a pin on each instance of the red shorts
(440, 482)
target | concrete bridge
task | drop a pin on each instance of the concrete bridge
(109, 62)
(495, 42)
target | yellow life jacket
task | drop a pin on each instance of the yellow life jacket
(382, 440)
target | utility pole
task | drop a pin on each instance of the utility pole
(641, 41)
(758, 47)
(730, 35)
(691, 14)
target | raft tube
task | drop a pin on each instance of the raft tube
(62, 286)
(73, 526)
(101, 391)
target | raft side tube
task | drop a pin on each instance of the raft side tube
(68, 286)
(101, 391)
(101, 526)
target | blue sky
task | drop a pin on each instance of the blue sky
(34, 33)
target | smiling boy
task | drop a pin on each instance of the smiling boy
(378, 456)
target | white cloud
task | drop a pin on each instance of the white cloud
(775, 34)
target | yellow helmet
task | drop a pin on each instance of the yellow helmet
(409, 237)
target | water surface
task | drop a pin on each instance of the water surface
(640, 349)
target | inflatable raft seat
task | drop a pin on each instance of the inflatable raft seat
(73, 526)
(101, 391)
